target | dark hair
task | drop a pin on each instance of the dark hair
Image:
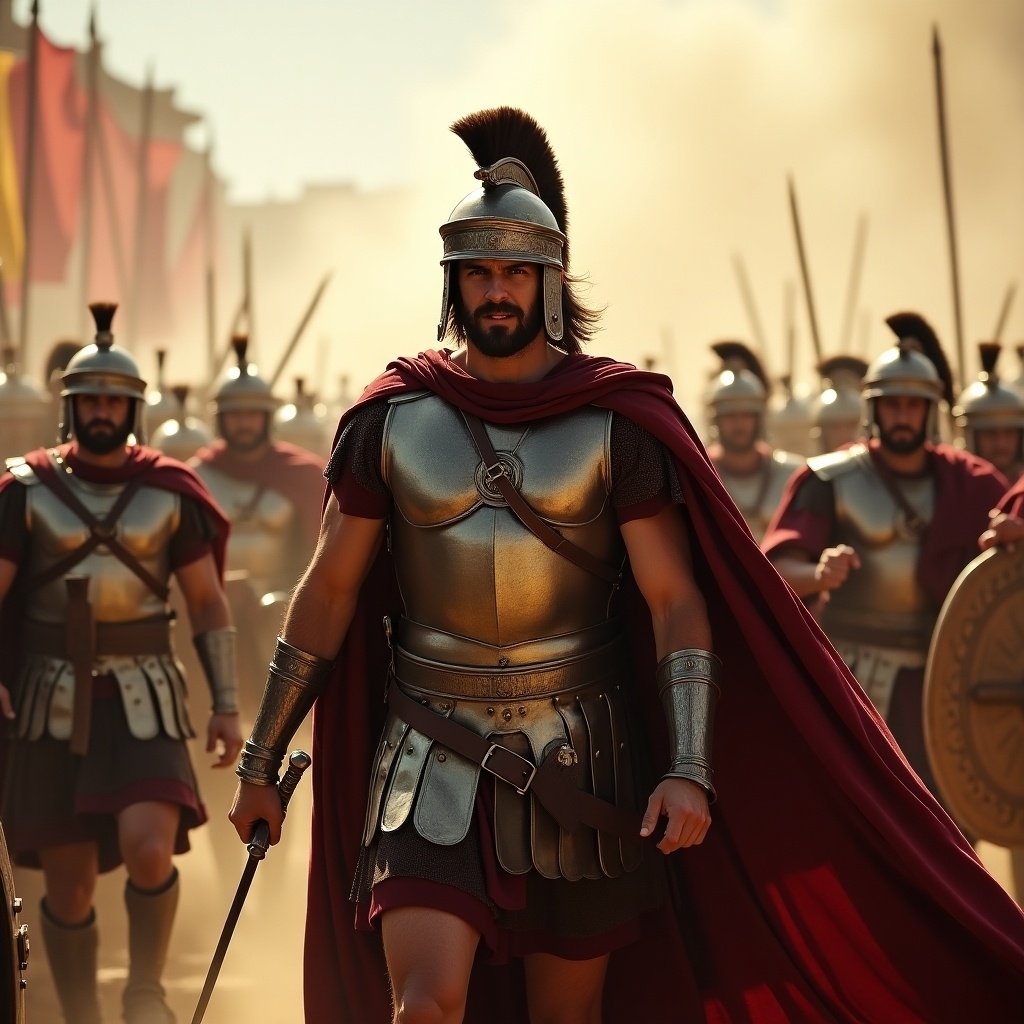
(581, 323)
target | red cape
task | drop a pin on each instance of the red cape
(286, 468)
(966, 489)
(831, 886)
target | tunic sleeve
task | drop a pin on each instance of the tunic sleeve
(353, 471)
(14, 536)
(644, 479)
(194, 537)
(804, 519)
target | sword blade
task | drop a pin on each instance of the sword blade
(225, 937)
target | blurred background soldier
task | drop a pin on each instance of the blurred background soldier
(98, 772)
(836, 411)
(881, 529)
(24, 409)
(991, 416)
(754, 474)
(270, 490)
(181, 435)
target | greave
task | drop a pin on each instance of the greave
(150, 919)
(71, 950)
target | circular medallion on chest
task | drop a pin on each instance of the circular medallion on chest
(485, 478)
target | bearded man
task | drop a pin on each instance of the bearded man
(98, 772)
(552, 556)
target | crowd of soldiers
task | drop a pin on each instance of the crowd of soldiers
(856, 498)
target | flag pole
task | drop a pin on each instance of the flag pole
(31, 115)
(89, 160)
(141, 205)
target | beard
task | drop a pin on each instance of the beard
(106, 440)
(243, 442)
(500, 342)
(907, 442)
(736, 443)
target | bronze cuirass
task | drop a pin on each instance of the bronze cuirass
(883, 601)
(116, 593)
(466, 566)
(262, 528)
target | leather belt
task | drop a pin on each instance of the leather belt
(549, 781)
(138, 638)
(595, 667)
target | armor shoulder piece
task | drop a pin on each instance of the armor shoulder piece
(835, 464)
(22, 471)
(409, 396)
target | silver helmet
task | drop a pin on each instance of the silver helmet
(836, 410)
(26, 416)
(102, 368)
(987, 403)
(181, 435)
(518, 213)
(740, 385)
(244, 390)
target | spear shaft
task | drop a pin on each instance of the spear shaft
(805, 273)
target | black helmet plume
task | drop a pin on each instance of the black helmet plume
(913, 328)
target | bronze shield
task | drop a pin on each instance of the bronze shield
(974, 698)
(13, 945)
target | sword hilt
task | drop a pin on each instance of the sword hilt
(298, 762)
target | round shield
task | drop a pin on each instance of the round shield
(974, 698)
(13, 945)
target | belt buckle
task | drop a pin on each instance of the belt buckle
(495, 472)
(497, 746)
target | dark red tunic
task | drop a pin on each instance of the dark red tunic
(831, 886)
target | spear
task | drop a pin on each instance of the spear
(947, 191)
(141, 209)
(853, 287)
(300, 330)
(31, 115)
(1004, 312)
(747, 294)
(88, 163)
(804, 271)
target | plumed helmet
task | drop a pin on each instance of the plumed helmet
(302, 423)
(244, 390)
(519, 211)
(902, 370)
(102, 368)
(741, 384)
(181, 436)
(161, 405)
(914, 332)
(836, 409)
(986, 403)
(737, 391)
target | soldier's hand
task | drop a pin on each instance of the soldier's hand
(224, 738)
(252, 803)
(1003, 530)
(6, 708)
(685, 804)
(834, 566)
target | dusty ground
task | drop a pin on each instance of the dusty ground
(261, 978)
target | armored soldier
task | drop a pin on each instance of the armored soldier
(269, 489)
(754, 474)
(98, 771)
(879, 530)
(991, 417)
(24, 409)
(835, 410)
(533, 522)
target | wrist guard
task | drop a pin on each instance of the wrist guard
(216, 650)
(688, 687)
(294, 682)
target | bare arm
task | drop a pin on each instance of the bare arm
(808, 576)
(208, 609)
(659, 554)
(8, 570)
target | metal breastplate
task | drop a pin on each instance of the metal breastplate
(756, 498)
(465, 565)
(116, 594)
(882, 603)
(262, 527)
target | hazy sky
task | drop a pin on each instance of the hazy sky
(676, 124)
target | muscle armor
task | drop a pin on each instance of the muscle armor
(757, 495)
(522, 646)
(880, 619)
(151, 684)
(262, 527)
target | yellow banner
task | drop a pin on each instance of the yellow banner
(12, 228)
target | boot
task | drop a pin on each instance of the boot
(150, 918)
(71, 950)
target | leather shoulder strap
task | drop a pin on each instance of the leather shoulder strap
(521, 509)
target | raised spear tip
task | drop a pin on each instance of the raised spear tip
(240, 343)
(300, 386)
(936, 44)
(103, 317)
(180, 392)
(161, 358)
(988, 353)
